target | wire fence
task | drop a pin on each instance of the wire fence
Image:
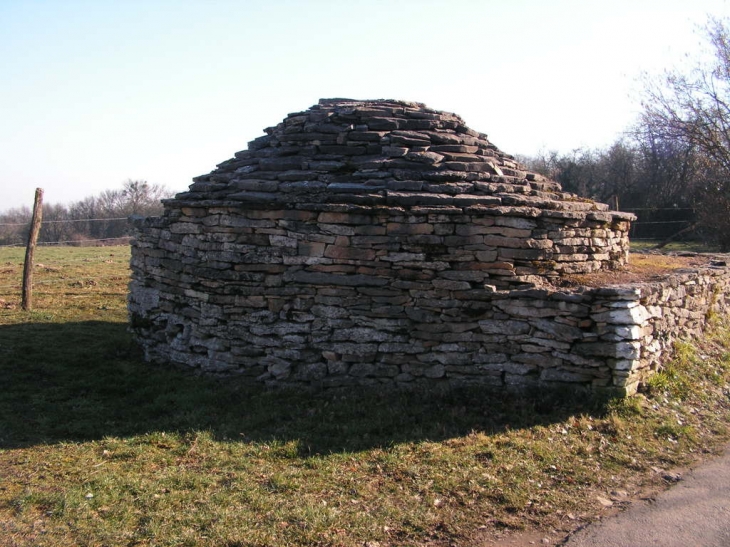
(65, 221)
(662, 223)
(81, 282)
(71, 242)
(632, 209)
(76, 241)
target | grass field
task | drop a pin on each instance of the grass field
(99, 449)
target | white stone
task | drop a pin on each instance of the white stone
(636, 315)
(633, 332)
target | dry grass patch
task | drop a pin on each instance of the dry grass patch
(642, 267)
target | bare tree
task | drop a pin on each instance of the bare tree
(143, 198)
(692, 110)
(55, 223)
(15, 226)
(99, 217)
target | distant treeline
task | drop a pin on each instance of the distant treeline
(673, 167)
(658, 179)
(94, 220)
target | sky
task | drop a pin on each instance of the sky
(97, 92)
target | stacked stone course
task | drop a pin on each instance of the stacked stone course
(368, 242)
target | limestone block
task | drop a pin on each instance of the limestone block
(544, 344)
(403, 257)
(283, 241)
(534, 348)
(278, 368)
(516, 222)
(564, 376)
(394, 347)
(462, 275)
(559, 331)
(636, 315)
(623, 364)
(349, 253)
(396, 228)
(527, 309)
(541, 360)
(520, 369)
(144, 298)
(374, 369)
(579, 360)
(628, 332)
(358, 334)
(345, 218)
(445, 358)
(435, 371)
(623, 350)
(318, 278)
(448, 285)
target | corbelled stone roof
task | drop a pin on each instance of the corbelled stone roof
(379, 152)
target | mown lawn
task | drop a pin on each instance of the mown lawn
(98, 448)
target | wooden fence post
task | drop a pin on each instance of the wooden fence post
(35, 228)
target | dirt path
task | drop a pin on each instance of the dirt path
(696, 511)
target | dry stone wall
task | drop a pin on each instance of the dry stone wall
(382, 242)
(210, 303)
(635, 326)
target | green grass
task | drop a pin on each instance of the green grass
(98, 448)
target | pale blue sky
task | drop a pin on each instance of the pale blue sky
(96, 92)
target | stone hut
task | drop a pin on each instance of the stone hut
(368, 242)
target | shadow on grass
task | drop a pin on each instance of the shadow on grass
(69, 382)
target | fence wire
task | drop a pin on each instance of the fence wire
(71, 241)
(662, 222)
(64, 221)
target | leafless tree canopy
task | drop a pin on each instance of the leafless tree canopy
(673, 167)
(88, 220)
